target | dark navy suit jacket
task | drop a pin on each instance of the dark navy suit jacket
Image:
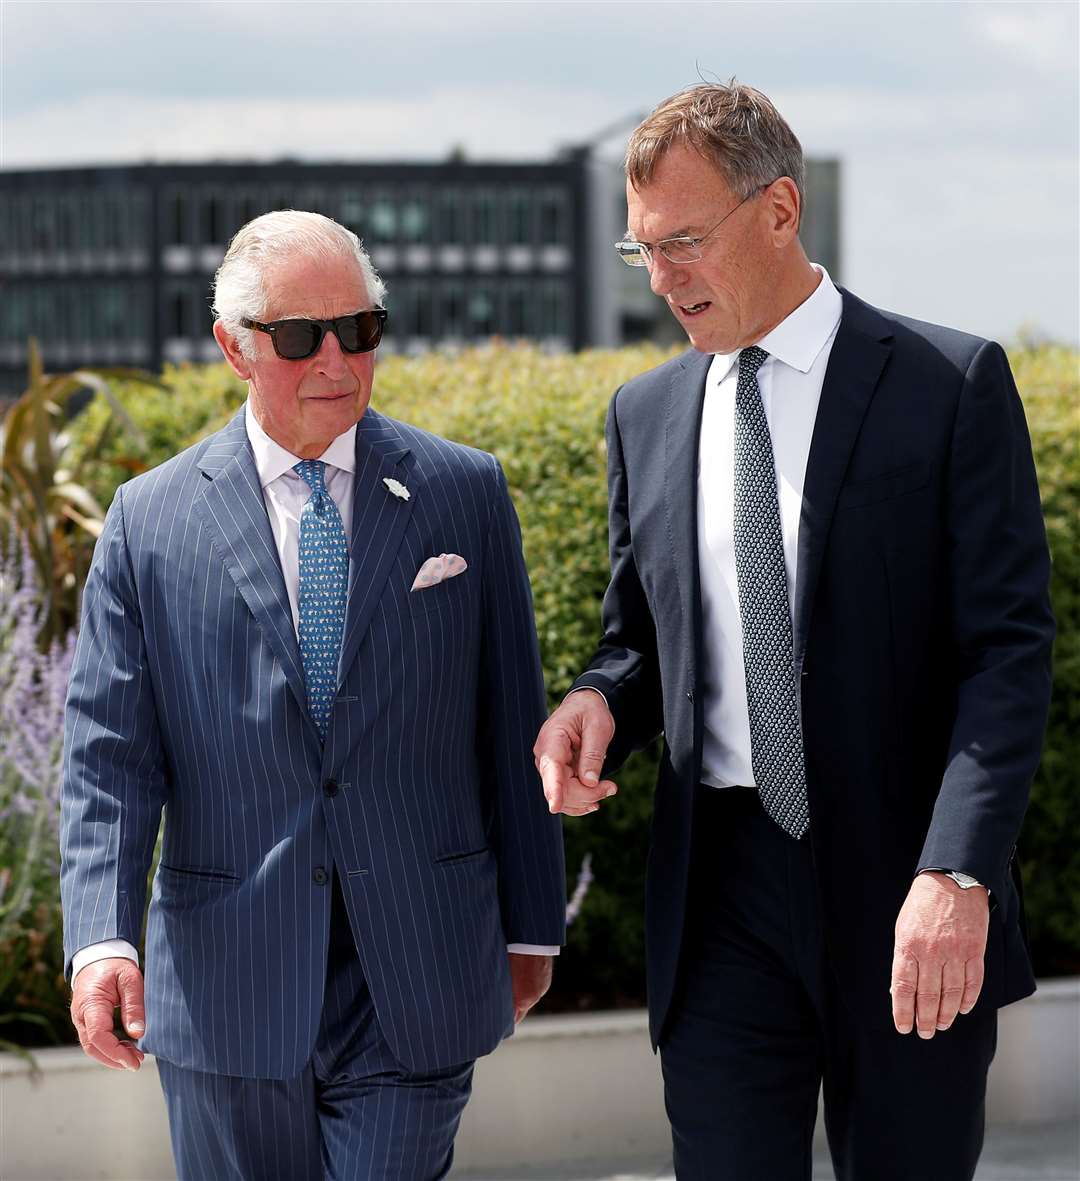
(922, 635)
(187, 695)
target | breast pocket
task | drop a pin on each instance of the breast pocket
(447, 595)
(886, 486)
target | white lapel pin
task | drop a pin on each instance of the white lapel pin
(397, 488)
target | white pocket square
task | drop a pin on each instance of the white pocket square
(436, 570)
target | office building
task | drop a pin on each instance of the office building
(113, 265)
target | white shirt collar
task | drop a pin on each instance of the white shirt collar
(272, 460)
(799, 337)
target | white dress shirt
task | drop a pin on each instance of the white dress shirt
(790, 382)
(285, 493)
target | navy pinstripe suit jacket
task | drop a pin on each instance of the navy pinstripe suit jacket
(187, 695)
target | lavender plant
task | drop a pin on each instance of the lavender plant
(33, 684)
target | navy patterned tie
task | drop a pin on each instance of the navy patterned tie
(324, 584)
(775, 732)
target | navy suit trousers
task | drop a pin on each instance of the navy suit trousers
(354, 1113)
(760, 1023)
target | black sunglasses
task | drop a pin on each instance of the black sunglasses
(295, 340)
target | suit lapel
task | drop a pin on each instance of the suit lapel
(234, 514)
(858, 357)
(379, 520)
(682, 433)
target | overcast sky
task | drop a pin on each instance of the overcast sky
(957, 124)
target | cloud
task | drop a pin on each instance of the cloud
(515, 123)
(976, 246)
(1038, 36)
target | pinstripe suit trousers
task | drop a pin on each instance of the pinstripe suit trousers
(354, 1113)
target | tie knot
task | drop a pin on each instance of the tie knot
(751, 360)
(313, 473)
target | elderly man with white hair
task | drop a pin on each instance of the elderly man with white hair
(308, 641)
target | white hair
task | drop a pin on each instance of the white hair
(240, 283)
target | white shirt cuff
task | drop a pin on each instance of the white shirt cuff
(110, 949)
(531, 949)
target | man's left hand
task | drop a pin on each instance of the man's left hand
(530, 978)
(937, 968)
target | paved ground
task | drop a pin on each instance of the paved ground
(1031, 1152)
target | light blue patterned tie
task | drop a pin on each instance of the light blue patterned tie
(324, 584)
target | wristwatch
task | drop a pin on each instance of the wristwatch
(964, 880)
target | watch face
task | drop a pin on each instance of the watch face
(964, 880)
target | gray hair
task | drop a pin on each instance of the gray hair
(734, 126)
(240, 283)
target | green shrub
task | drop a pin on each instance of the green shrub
(170, 416)
(543, 417)
(1049, 847)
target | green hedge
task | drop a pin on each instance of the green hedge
(543, 417)
(1049, 847)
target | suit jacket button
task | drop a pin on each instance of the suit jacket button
(320, 876)
(330, 788)
(690, 696)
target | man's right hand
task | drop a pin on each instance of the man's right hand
(569, 754)
(96, 992)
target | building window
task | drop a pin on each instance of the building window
(43, 224)
(314, 200)
(415, 220)
(79, 326)
(554, 224)
(554, 310)
(113, 308)
(481, 308)
(73, 315)
(178, 320)
(138, 231)
(139, 311)
(84, 222)
(41, 313)
(62, 319)
(249, 207)
(519, 218)
(16, 307)
(451, 311)
(518, 313)
(113, 218)
(66, 219)
(383, 220)
(177, 221)
(418, 312)
(483, 218)
(450, 226)
(351, 213)
(213, 219)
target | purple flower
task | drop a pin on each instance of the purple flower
(33, 685)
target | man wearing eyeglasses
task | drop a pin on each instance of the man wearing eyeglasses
(308, 639)
(829, 592)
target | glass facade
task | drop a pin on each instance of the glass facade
(115, 265)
